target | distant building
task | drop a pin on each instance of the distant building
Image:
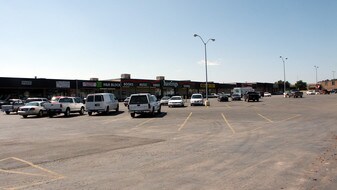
(121, 87)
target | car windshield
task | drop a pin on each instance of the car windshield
(55, 99)
(176, 98)
(138, 100)
(32, 104)
(197, 96)
(165, 98)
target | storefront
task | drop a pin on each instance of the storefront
(122, 88)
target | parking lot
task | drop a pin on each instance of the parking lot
(277, 143)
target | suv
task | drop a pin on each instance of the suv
(143, 103)
(254, 96)
(197, 99)
(101, 102)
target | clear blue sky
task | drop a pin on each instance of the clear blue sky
(80, 39)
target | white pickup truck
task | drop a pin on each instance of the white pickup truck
(65, 105)
(13, 106)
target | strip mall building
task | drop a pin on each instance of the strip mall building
(122, 87)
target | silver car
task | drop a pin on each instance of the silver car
(176, 101)
(33, 108)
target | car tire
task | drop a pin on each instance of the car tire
(7, 112)
(89, 113)
(50, 114)
(82, 111)
(24, 116)
(107, 110)
(159, 110)
(132, 115)
(152, 112)
(117, 109)
(67, 113)
(40, 114)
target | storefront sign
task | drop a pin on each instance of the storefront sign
(62, 84)
(26, 83)
(170, 84)
(143, 84)
(89, 84)
(111, 84)
(128, 84)
(209, 85)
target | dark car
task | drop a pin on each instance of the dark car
(236, 97)
(223, 98)
(254, 96)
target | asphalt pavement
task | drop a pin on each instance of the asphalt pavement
(277, 143)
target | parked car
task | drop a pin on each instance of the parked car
(33, 108)
(310, 92)
(254, 96)
(267, 94)
(3, 102)
(213, 95)
(13, 106)
(65, 105)
(197, 99)
(223, 98)
(176, 101)
(143, 103)
(126, 101)
(34, 99)
(164, 100)
(236, 97)
(101, 102)
(293, 93)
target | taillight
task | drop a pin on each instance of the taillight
(32, 108)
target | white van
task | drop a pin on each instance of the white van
(101, 102)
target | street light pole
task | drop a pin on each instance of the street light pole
(284, 73)
(316, 67)
(205, 43)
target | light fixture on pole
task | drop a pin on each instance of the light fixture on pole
(205, 43)
(316, 67)
(284, 73)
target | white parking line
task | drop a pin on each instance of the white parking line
(298, 115)
(265, 118)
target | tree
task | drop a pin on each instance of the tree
(280, 84)
(300, 85)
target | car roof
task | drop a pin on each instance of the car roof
(141, 94)
(37, 101)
